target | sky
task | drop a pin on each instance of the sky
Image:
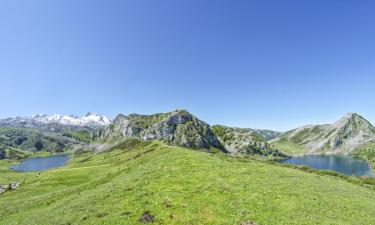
(260, 64)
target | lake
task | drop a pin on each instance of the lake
(341, 163)
(41, 163)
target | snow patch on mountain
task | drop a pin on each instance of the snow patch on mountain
(90, 119)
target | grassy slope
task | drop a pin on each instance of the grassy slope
(180, 186)
(289, 147)
(366, 152)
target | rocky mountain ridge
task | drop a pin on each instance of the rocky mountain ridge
(178, 127)
(184, 129)
(245, 141)
(342, 136)
(58, 133)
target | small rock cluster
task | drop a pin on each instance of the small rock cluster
(13, 186)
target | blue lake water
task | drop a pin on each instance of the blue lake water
(41, 163)
(341, 163)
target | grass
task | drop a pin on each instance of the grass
(80, 135)
(366, 152)
(289, 147)
(180, 186)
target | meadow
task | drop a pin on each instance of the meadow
(151, 182)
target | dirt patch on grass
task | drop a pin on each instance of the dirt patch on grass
(249, 223)
(101, 214)
(147, 217)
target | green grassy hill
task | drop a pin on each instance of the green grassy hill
(180, 186)
(366, 152)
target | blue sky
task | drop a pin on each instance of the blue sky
(262, 64)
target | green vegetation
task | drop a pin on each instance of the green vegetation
(289, 147)
(223, 133)
(267, 134)
(245, 141)
(366, 152)
(13, 153)
(228, 133)
(17, 141)
(179, 186)
(80, 135)
(146, 121)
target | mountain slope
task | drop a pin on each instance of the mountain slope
(178, 127)
(244, 140)
(343, 136)
(179, 186)
(19, 136)
(366, 152)
(16, 142)
(267, 134)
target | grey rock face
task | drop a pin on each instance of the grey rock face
(178, 127)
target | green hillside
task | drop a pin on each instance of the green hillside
(18, 142)
(289, 147)
(366, 152)
(180, 186)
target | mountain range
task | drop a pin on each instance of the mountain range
(59, 133)
(89, 120)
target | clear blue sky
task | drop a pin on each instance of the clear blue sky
(262, 64)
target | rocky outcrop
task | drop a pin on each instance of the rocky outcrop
(13, 186)
(246, 141)
(178, 127)
(343, 136)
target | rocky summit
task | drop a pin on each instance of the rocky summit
(343, 136)
(178, 128)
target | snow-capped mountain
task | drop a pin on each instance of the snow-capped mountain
(90, 119)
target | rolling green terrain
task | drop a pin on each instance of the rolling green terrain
(245, 141)
(288, 147)
(366, 152)
(175, 185)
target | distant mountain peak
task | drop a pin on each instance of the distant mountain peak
(91, 114)
(351, 115)
(89, 119)
(344, 135)
(355, 120)
(39, 115)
